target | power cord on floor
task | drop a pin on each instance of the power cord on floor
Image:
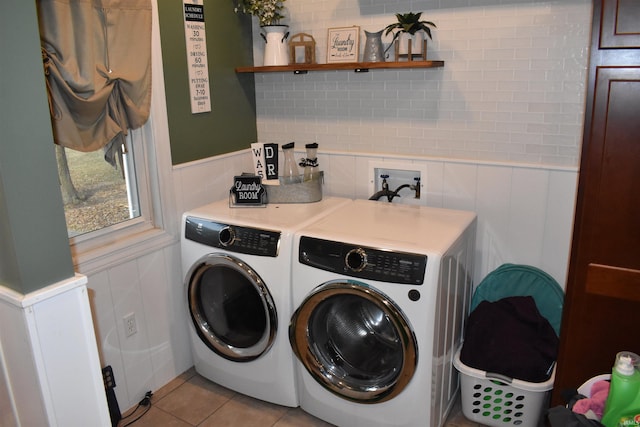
(144, 403)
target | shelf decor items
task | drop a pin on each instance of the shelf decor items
(275, 34)
(373, 49)
(408, 39)
(302, 49)
(343, 44)
(276, 51)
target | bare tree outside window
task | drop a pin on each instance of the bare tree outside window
(95, 193)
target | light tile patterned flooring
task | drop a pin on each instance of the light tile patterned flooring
(191, 400)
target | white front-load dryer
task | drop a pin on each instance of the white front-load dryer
(237, 266)
(381, 291)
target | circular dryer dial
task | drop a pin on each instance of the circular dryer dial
(356, 259)
(227, 236)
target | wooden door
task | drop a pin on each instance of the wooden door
(620, 27)
(602, 304)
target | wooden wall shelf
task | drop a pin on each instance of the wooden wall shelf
(358, 67)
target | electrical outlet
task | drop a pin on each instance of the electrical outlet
(130, 326)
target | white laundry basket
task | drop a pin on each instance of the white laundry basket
(496, 400)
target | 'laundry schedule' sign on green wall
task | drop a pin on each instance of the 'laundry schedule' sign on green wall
(230, 122)
(196, 40)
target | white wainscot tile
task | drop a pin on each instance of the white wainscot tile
(559, 224)
(460, 186)
(339, 175)
(527, 215)
(124, 281)
(197, 183)
(156, 286)
(178, 312)
(433, 186)
(106, 327)
(492, 206)
(364, 180)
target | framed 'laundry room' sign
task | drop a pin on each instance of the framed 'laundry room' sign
(247, 190)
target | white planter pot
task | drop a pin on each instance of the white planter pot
(416, 43)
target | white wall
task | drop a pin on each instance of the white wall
(151, 287)
(499, 126)
(50, 369)
(204, 181)
(8, 411)
(512, 88)
(525, 212)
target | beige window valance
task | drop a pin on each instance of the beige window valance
(97, 58)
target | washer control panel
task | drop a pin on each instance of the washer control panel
(244, 240)
(363, 262)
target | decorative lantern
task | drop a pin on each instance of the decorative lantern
(307, 44)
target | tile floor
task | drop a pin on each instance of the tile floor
(191, 400)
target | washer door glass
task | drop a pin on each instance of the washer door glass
(231, 308)
(354, 341)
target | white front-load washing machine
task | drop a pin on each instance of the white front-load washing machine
(237, 266)
(381, 292)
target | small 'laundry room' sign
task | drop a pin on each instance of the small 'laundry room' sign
(247, 190)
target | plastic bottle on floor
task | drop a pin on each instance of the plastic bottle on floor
(622, 408)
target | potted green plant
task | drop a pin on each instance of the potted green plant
(409, 24)
(269, 12)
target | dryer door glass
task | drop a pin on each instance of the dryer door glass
(354, 341)
(231, 308)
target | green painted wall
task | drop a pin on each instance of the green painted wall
(231, 124)
(34, 248)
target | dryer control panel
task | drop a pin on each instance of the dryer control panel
(244, 240)
(363, 262)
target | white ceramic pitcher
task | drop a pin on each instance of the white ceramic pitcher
(276, 51)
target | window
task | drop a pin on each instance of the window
(156, 226)
(99, 88)
(152, 222)
(96, 193)
(111, 198)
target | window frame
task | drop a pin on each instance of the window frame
(155, 228)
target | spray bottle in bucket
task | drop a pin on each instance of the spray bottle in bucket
(622, 408)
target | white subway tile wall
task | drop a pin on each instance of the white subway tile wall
(512, 88)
